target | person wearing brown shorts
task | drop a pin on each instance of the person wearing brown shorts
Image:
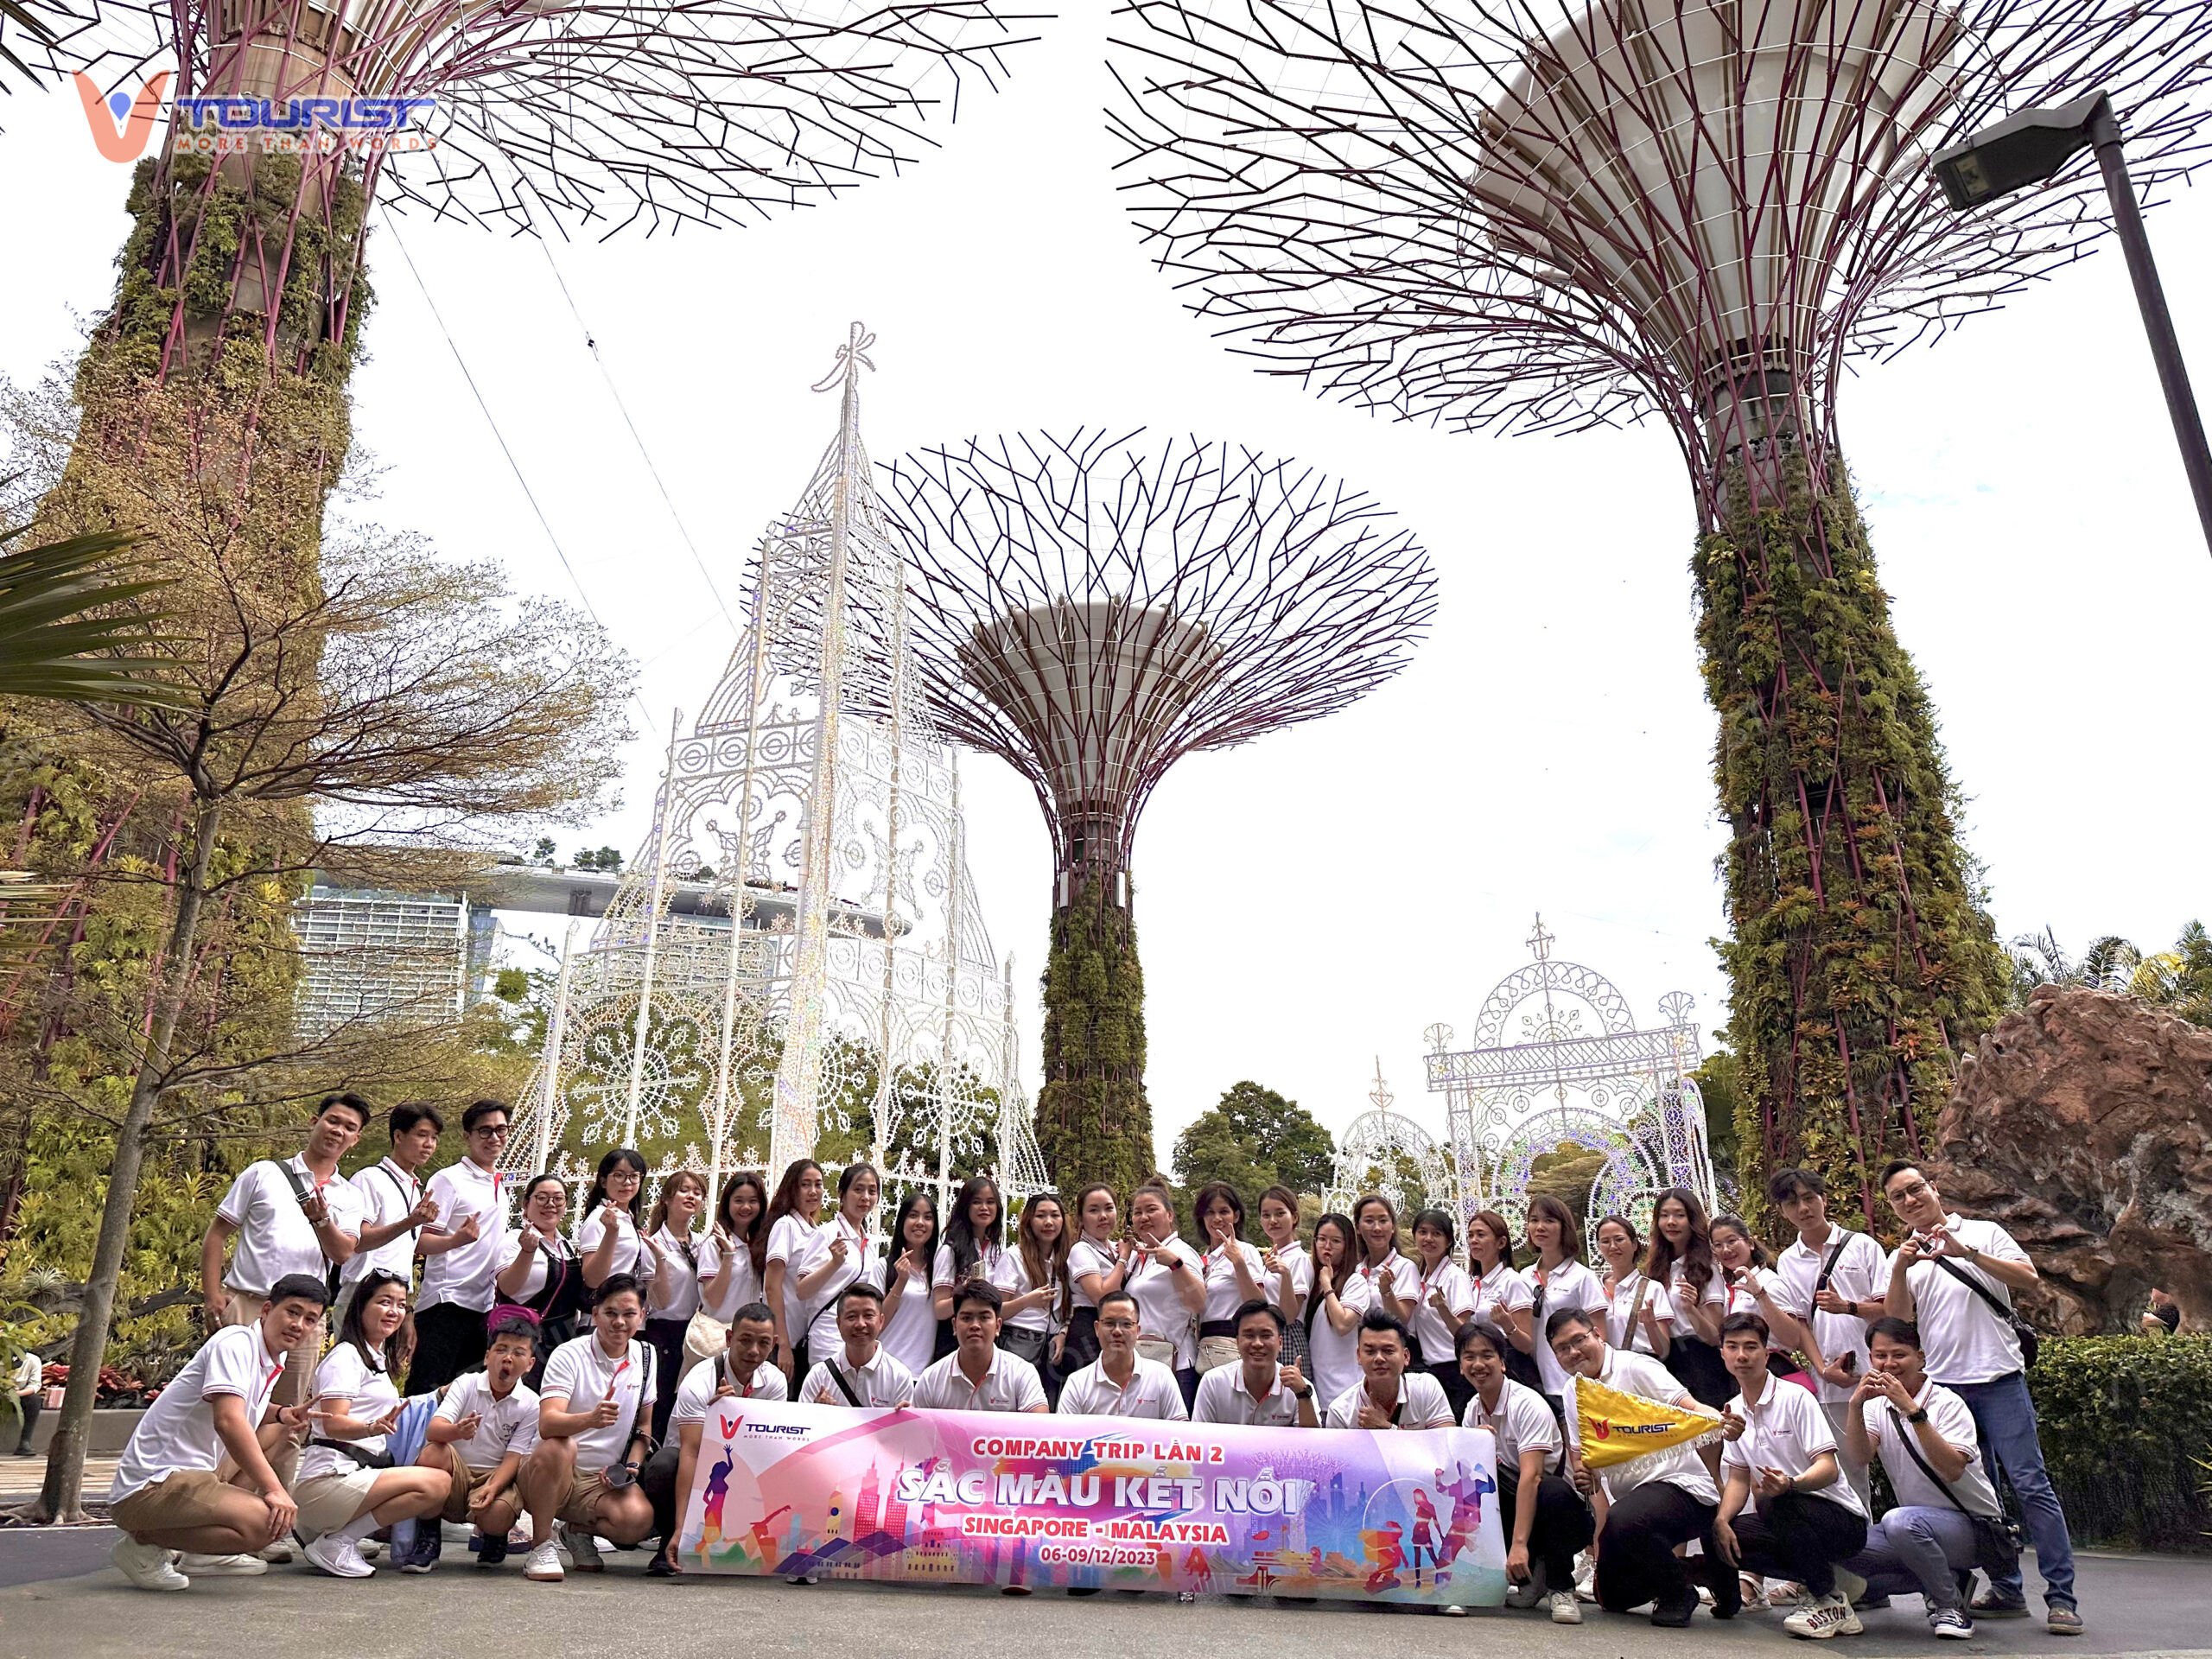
(484, 1428)
(595, 1427)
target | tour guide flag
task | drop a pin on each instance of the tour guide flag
(988, 1497)
(1616, 1426)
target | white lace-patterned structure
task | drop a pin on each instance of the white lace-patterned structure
(1386, 1151)
(858, 975)
(1582, 1074)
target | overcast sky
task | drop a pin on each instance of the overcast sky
(1313, 901)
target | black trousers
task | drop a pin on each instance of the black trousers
(1697, 1365)
(1457, 1389)
(1563, 1524)
(449, 1340)
(657, 1480)
(1798, 1535)
(1635, 1552)
(667, 1338)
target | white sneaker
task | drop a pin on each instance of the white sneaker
(369, 1548)
(1821, 1619)
(146, 1565)
(583, 1549)
(1566, 1610)
(222, 1567)
(544, 1563)
(336, 1555)
(279, 1554)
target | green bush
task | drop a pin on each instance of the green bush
(2122, 1418)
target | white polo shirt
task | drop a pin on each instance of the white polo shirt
(791, 1242)
(861, 1265)
(580, 1373)
(883, 1382)
(1435, 1337)
(910, 1332)
(177, 1431)
(464, 1276)
(1404, 1278)
(1011, 1385)
(1224, 1397)
(1790, 1435)
(1217, 1266)
(1714, 1293)
(1160, 1309)
(1152, 1392)
(1421, 1404)
(1086, 1258)
(1623, 1328)
(1678, 1465)
(1335, 1354)
(1294, 1278)
(368, 1391)
(743, 1284)
(694, 1396)
(629, 1256)
(1961, 1335)
(1500, 1287)
(385, 1192)
(1948, 1416)
(1861, 1274)
(508, 1425)
(678, 1274)
(1568, 1285)
(1046, 1317)
(1523, 1422)
(275, 1237)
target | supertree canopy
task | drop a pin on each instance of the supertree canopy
(1528, 214)
(1090, 613)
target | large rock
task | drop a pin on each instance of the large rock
(2084, 1125)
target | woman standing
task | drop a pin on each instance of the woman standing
(1682, 1260)
(672, 1297)
(1558, 1281)
(1038, 1311)
(1640, 1312)
(540, 1268)
(794, 1215)
(346, 1487)
(1395, 1281)
(608, 1235)
(1098, 1263)
(842, 1255)
(1752, 1286)
(1443, 1301)
(909, 1310)
(972, 1247)
(1501, 1296)
(1288, 1269)
(733, 1253)
(1231, 1270)
(1341, 1298)
(1163, 1276)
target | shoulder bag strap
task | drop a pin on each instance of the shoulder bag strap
(1912, 1450)
(843, 1387)
(1828, 1268)
(2003, 1310)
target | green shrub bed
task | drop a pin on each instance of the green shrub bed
(2125, 1421)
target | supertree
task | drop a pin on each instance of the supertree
(1532, 214)
(1091, 612)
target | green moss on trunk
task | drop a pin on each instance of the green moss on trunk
(1093, 1120)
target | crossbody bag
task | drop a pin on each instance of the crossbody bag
(2023, 1332)
(303, 1192)
(1996, 1537)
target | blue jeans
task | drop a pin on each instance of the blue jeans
(2006, 1417)
(1918, 1549)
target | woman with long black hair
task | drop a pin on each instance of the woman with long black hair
(673, 1296)
(610, 1233)
(1559, 1282)
(1098, 1263)
(1682, 1260)
(1341, 1297)
(794, 1215)
(841, 1256)
(972, 1246)
(1037, 1312)
(734, 1251)
(540, 1268)
(909, 1310)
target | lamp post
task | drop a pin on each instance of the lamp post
(2028, 149)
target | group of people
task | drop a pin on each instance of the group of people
(560, 1368)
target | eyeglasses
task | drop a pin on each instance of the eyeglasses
(1117, 1325)
(491, 1131)
(1917, 1190)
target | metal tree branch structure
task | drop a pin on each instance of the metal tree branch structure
(1532, 214)
(1091, 612)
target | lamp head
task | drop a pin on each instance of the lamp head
(2023, 150)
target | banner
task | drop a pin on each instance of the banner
(1616, 1426)
(985, 1498)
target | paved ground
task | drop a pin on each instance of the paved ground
(2135, 1605)
(21, 1477)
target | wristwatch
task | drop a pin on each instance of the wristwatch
(1303, 1394)
(1919, 1415)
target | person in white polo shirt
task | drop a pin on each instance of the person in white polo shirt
(1955, 1278)
(294, 1217)
(594, 1425)
(979, 1375)
(1839, 1274)
(1546, 1521)
(746, 1369)
(394, 1207)
(1120, 1382)
(1925, 1437)
(462, 1251)
(860, 1372)
(1653, 1503)
(1788, 1513)
(1259, 1390)
(1389, 1394)
(480, 1432)
(170, 1493)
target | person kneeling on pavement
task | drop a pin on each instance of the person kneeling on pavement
(484, 1428)
(746, 1369)
(594, 1426)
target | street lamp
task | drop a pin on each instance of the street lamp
(2028, 147)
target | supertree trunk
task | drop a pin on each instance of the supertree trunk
(1861, 964)
(1093, 1120)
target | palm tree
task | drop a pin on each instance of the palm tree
(45, 653)
(12, 12)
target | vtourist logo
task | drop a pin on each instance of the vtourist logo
(123, 125)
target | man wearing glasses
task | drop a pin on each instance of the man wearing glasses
(461, 1254)
(1120, 1382)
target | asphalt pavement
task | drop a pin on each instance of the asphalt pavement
(53, 1605)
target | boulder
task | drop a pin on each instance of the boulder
(2083, 1124)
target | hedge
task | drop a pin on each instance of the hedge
(2123, 1422)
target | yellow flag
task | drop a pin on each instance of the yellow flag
(1616, 1426)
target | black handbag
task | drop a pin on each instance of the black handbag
(2023, 1332)
(1024, 1343)
(1998, 1537)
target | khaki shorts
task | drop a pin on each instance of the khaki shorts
(328, 1501)
(244, 1308)
(466, 1486)
(190, 1497)
(581, 1507)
